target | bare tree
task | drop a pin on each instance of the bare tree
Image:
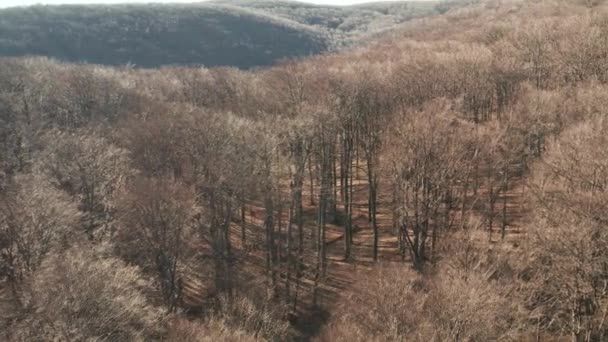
(35, 219)
(157, 221)
(424, 159)
(568, 240)
(83, 295)
(89, 168)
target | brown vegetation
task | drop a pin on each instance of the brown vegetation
(444, 183)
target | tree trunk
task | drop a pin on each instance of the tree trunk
(243, 224)
(372, 186)
(347, 187)
(270, 248)
(325, 173)
(504, 201)
(491, 210)
(334, 204)
(289, 255)
(312, 184)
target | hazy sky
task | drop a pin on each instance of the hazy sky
(11, 3)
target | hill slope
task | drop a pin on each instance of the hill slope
(237, 33)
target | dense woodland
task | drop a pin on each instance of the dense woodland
(445, 182)
(243, 34)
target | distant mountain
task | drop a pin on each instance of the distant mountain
(237, 33)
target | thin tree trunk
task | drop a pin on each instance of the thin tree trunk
(347, 166)
(357, 154)
(350, 205)
(289, 254)
(323, 192)
(321, 225)
(334, 203)
(491, 213)
(299, 187)
(434, 232)
(375, 221)
(312, 184)
(372, 201)
(270, 248)
(227, 247)
(343, 171)
(243, 224)
(504, 201)
(279, 237)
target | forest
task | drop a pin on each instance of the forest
(444, 181)
(243, 34)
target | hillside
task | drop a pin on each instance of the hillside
(243, 34)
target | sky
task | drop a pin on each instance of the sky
(12, 3)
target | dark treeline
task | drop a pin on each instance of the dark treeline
(461, 158)
(230, 33)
